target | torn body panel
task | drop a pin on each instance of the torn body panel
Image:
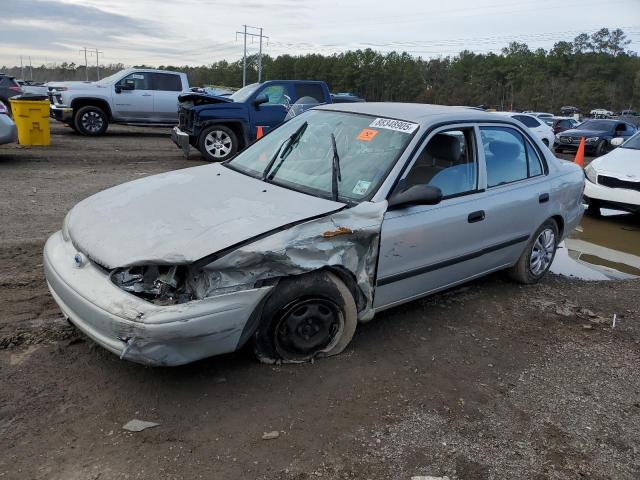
(348, 239)
(141, 331)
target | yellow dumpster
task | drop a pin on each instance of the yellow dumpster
(32, 120)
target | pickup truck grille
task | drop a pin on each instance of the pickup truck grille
(185, 118)
(614, 182)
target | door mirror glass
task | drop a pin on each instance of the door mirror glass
(616, 142)
(261, 99)
(416, 195)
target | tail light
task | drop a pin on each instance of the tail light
(16, 88)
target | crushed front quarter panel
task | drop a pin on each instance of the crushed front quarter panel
(348, 239)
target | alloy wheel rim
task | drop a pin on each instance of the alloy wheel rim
(542, 252)
(92, 122)
(308, 327)
(217, 144)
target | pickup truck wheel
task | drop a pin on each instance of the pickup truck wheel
(307, 316)
(90, 120)
(218, 143)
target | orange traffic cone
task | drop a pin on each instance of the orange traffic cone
(259, 133)
(580, 154)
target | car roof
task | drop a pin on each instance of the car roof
(411, 112)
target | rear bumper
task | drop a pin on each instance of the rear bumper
(616, 198)
(62, 114)
(181, 139)
(8, 131)
(140, 331)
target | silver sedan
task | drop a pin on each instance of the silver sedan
(340, 213)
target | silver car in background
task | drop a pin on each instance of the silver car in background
(342, 212)
(8, 132)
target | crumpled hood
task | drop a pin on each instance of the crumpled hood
(623, 163)
(181, 216)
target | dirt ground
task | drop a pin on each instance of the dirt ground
(488, 381)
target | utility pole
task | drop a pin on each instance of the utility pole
(21, 68)
(30, 69)
(97, 52)
(245, 34)
(86, 65)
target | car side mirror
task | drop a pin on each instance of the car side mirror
(416, 195)
(616, 142)
(260, 99)
(126, 85)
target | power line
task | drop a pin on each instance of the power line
(246, 34)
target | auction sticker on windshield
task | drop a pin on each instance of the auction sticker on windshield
(366, 134)
(396, 125)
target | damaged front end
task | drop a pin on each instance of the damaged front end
(347, 241)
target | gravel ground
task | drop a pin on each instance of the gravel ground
(491, 380)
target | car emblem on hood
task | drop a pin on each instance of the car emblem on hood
(78, 260)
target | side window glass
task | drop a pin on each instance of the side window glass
(448, 162)
(505, 155)
(167, 82)
(535, 166)
(276, 94)
(140, 81)
(310, 90)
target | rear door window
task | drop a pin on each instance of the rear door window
(505, 155)
(167, 82)
(528, 121)
(310, 90)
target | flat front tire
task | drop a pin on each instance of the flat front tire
(307, 316)
(218, 143)
(90, 120)
(538, 256)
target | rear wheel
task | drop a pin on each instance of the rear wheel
(306, 317)
(90, 120)
(218, 143)
(536, 259)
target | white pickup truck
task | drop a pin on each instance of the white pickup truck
(135, 96)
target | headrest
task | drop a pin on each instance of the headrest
(504, 149)
(445, 147)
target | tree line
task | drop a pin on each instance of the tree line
(591, 71)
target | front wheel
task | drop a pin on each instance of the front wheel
(218, 143)
(536, 259)
(306, 317)
(90, 120)
(593, 208)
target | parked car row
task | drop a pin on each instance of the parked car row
(598, 135)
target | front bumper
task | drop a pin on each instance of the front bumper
(616, 198)
(140, 331)
(8, 131)
(181, 139)
(61, 113)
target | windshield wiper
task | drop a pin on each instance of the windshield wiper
(290, 143)
(336, 176)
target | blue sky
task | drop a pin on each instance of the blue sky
(163, 32)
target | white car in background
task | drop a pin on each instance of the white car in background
(613, 180)
(543, 131)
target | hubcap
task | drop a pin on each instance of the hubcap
(217, 144)
(307, 327)
(542, 251)
(92, 122)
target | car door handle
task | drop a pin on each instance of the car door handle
(543, 198)
(476, 216)
(146, 94)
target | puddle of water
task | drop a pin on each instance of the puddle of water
(605, 248)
